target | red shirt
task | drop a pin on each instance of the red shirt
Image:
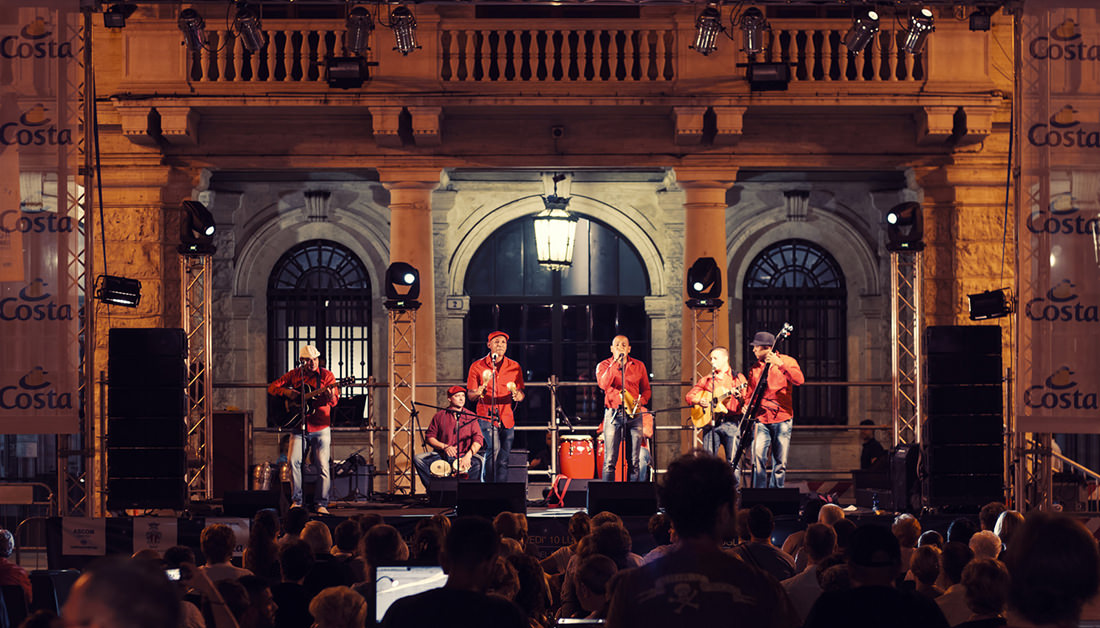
(720, 384)
(610, 378)
(500, 398)
(442, 428)
(10, 573)
(776, 405)
(319, 418)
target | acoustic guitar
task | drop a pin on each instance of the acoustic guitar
(304, 403)
(716, 412)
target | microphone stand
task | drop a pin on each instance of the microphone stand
(458, 424)
(494, 422)
(621, 414)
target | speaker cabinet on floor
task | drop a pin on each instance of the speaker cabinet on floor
(781, 501)
(622, 498)
(491, 498)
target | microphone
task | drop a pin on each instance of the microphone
(566, 417)
(493, 356)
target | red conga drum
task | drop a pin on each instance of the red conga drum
(575, 457)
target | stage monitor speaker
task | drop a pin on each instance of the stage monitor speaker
(905, 489)
(442, 492)
(231, 450)
(492, 498)
(568, 492)
(625, 499)
(963, 339)
(781, 501)
(145, 493)
(248, 503)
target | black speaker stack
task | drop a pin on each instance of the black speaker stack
(963, 440)
(146, 407)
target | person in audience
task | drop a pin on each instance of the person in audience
(805, 587)
(930, 537)
(261, 604)
(235, 597)
(988, 515)
(835, 577)
(120, 593)
(985, 544)
(580, 524)
(924, 564)
(907, 530)
(510, 547)
(953, 560)
(11, 573)
(326, 571)
(660, 528)
(795, 540)
(1007, 524)
(381, 545)
(697, 584)
(40, 619)
(338, 607)
(533, 595)
(296, 519)
(427, 544)
(261, 555)
(844, 529)
(148, 554)
(987, 583)
(759, 551)
(830, 514)
(469, 554)
(609, 539)
(183, 558)
(503, 580)
(593, 575)
(510, 525)
(961, 530)
(1054, 566)
(874, 563)
(217, 542)
(295, 559)
(345, 546)
(366, 521)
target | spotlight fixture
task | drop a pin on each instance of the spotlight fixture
(905, 228)
(765, 77)
(346, 72)
(403, 24)
(921, 26)
(707, 27)
(982, 18)
(991, 304)
(196, 229)
(118, 290)
(753, 24)
(555, 231)
(193, 28)
(249, 29)
(402, 287)
(704, 284)
(115, 15)
(359, 27)
(863, 29)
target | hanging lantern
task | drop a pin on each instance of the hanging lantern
(555, 231)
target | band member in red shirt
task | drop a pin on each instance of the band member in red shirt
(615, 375)
(455, 436)
(776, 412)
(496, 383)
(719, 392)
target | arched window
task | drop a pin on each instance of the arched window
(797, 281)
(560, 323)
(319, 293)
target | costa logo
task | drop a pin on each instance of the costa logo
(1060, 391)
(13, 220)
(34, 391)
(34, 304)
(1064, 43)
(35, 41)
(1063, 130)
(34, 128)
(1061, 304)
(1063, 217)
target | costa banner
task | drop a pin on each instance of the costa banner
(41, 258)
(1058, 384)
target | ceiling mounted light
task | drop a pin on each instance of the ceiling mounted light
(249, 29)
(982, 18)
(193, 28)
(115, 16)
(359, 27)
(118, 290)
(403, 24)
(991, 304)
(753, 25)
(921, 26)
(707, 27)
(862, 31)
(555, 231)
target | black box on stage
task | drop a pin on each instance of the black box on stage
(781, 501)
(491, 498)
(568, 492)
(442, 492)
(248, 503)
(622, 498)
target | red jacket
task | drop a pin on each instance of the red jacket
(319, 419)
(776, 405)
(610, 379)
(500, 399)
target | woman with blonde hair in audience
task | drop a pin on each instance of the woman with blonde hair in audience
(338, 607)
(924, 564)
(1008, 522)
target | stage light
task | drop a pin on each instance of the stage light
(753, 25)
(403, 24)
(193, 28)
(346, 72)
(707, 27)
(402, 287)
(196, 229)
(118, 290)
(249, 29)
(905, 228)
(982, 18)
(991, 304)
(704, 284)
(862, 31)
(115, 16)
(764, 77)
(921, 26)
(359, 27)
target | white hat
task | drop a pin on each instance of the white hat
(309, 351)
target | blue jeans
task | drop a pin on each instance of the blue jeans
(498, 448)
(320, 442)
(727, 435)
(612, 432)
(772, 439)
(423, 462)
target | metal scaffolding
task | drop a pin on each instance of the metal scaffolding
(905, 347)
(195, 274)
(704, 337)
(402, 378)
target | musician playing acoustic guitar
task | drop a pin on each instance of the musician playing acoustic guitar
(317, 435)
(714, 397)
(455, 437)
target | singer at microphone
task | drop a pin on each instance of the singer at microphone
(626, 391)
(495, 382)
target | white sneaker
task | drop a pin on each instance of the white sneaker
(321, 510)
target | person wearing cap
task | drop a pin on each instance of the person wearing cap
(775, 415)
(618, 374)
(316, 435)
(725, 427)
(496, 383)
(453, 435)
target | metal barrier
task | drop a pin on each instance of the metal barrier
(19, 501)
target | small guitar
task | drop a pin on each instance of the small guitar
(716, 412)
(304, 404)
(748, 418)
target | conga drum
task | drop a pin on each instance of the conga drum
(575, 457)
(620, 468)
